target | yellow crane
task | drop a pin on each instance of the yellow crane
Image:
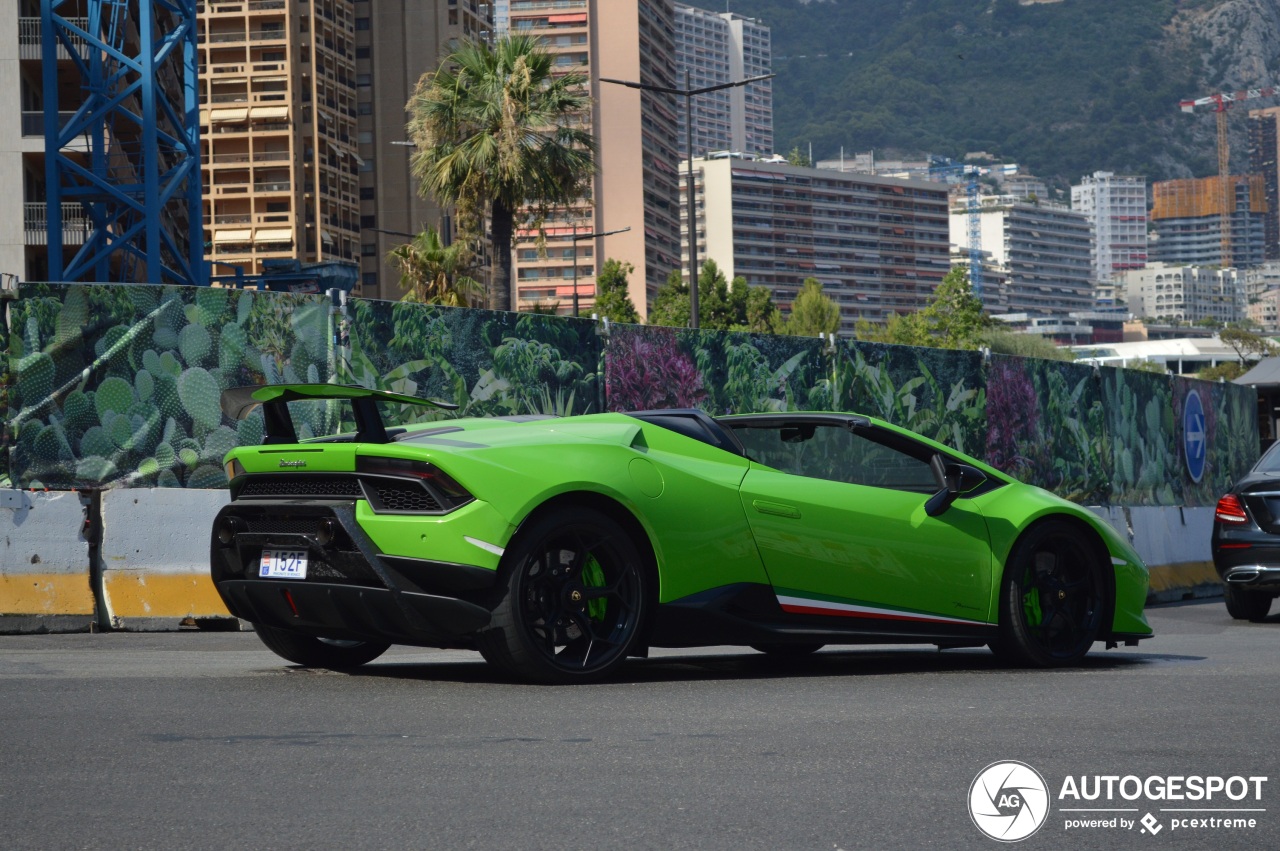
(1221, 102)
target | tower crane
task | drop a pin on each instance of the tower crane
(948, 171)
(1221, 102)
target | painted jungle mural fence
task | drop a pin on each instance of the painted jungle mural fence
(117, 386)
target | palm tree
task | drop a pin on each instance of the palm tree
(497, 130)
(434, 273)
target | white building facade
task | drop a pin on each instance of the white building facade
(1186, 293)
(717, 48)
(1044, 251)
(878, 245)
(1116, 205)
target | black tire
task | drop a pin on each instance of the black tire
(576, 599)
(1246, 605)
(315, 652)
(1052, 599)
(788, 650)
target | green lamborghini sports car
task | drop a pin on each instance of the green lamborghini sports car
(558, 547)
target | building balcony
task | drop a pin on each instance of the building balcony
(76, 224)
(31, 34)
(237, 7)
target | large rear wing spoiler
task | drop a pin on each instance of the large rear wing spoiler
(240, 402)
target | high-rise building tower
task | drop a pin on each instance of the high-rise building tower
(1264, 159)
(715, 48)
(1186, 216)
(777, 224)
(396, 42)
(1042, 252)
(635, 183)
(1117, 207)
(278, 119)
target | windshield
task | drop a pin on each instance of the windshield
(1270, 460)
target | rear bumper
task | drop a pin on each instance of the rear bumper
(352, 589)
(1253, 576)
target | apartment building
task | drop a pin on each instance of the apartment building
(122, 156)
(396, 42)
(1186, 221)
(1116, 205)
(1264, 160)
(278, 120)
(1043, 250)
(1186, 293)
(713, 49)
(879, 245)
(635, 184)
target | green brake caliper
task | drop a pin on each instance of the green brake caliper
(1031, 606)
(593, 577)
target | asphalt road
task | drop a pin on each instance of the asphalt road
(207, 740)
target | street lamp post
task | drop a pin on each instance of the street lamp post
(688, 94)
(577, 236)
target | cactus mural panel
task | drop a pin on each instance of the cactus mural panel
(119, 385)
(486, 362)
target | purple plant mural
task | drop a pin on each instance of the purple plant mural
(1013, 413)
(645, 368)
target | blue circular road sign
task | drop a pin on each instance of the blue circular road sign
(1194, 440)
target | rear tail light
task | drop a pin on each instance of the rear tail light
(440, 483)
(1230, 510)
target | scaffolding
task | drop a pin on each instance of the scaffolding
(130, 152)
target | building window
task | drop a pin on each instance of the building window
(368, 249)
(368, 221)
(368, 193)
(362, 24)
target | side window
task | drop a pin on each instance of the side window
(838, 455)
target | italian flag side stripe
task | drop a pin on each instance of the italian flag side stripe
(805, 606)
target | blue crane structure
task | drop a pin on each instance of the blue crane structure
(130, 152)
(952, 172)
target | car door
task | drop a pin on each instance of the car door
(837, 507)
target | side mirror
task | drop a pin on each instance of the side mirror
(954, 480)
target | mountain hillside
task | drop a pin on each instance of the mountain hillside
(1063, 87)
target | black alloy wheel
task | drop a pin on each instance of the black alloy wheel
(576, 599)
(1053, 598)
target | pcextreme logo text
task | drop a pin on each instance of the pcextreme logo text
(1009, 801)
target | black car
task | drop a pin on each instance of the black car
(1246, 540)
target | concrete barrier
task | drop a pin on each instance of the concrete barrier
(1174, 542)
(155, 557)
(45, 583)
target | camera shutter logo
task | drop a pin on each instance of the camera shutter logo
(1008, 801)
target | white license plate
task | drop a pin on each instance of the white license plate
(283, 564)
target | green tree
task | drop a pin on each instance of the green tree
(612, 300)
(434, 273)
(1226, 371)
(671, 302)
(498, 130)
(955, 316)
(1247, 343)
(1002, 341)
(812, 312)
(954, 319)
(721, 306)
(759, 314)
(798, 157)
